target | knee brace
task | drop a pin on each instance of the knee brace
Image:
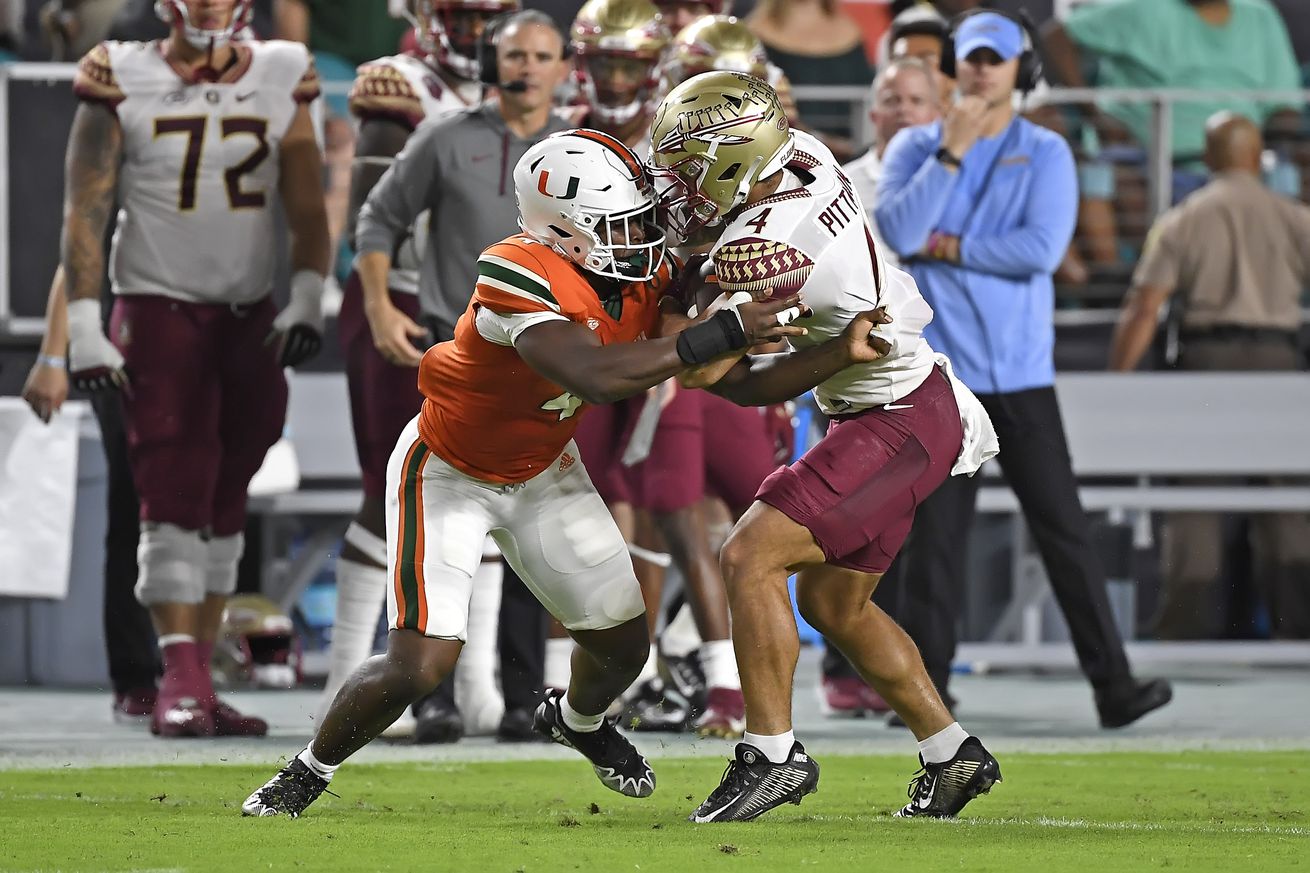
(221, 567)
(172, 565)
(369, 544)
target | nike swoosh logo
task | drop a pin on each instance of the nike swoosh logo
(241, 98)
(716, 813)
(925, 799)
(890, 406)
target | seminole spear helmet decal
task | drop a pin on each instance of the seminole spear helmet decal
(714, 136)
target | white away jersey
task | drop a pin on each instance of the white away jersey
(197, 188)
(407, 90)
(811, 237)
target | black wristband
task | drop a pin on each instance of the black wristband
(944, 156)
(720, 333)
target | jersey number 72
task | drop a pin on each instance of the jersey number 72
(194, 127)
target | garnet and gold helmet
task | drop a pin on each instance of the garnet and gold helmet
(438, 35)
(619, 45)
(256, 646)
(714, 137)
(715, 42)
(680, 13)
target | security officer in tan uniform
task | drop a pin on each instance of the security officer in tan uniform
(1233, 258)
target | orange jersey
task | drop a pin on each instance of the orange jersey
(486, 412)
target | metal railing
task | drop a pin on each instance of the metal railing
(1159, 164)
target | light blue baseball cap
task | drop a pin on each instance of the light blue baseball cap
(991, 30)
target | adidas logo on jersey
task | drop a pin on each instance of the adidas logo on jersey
(565, 461)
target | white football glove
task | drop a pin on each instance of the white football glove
(787, 316)
(298, 328)
(94, 364)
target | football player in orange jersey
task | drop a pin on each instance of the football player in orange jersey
(557, 321)
(391, 96)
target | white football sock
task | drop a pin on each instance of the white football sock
(680, 637)
(317, 767)
(943, 745)
(559, 654)
(476, 693)
(576, 721)
(361, 594)
(650, 670)
(776, 748)
(720, 664)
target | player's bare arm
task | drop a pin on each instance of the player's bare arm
(571, 356)
(299, 327)
(46, 387)
(95, 151)
(380, 140)
(761, 380)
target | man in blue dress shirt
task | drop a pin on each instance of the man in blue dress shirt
(981, 207)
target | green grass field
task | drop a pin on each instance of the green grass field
(1191, 811)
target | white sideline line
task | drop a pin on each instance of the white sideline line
(1082, 824)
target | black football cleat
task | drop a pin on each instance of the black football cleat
(687, 677)
(654, 707)
(516, 727)
(752, 785)
(942, 790)
(618, 764)
(437, 721)
(1121, 705)
(289, 793)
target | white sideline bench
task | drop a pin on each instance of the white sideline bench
(1135, 429)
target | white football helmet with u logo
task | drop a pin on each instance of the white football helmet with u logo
(588, 197)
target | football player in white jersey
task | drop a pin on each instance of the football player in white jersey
(391, 96)
(783, 220)
(199, 136)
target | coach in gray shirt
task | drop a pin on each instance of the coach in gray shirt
(461, 168)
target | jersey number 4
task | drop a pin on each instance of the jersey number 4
(194, 127)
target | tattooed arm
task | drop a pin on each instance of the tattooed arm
(95, 148)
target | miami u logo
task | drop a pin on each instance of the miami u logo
(572, 191)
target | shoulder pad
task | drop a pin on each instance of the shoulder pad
(95, 81)
(382, 90)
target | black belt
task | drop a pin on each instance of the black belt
(1238, 332)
